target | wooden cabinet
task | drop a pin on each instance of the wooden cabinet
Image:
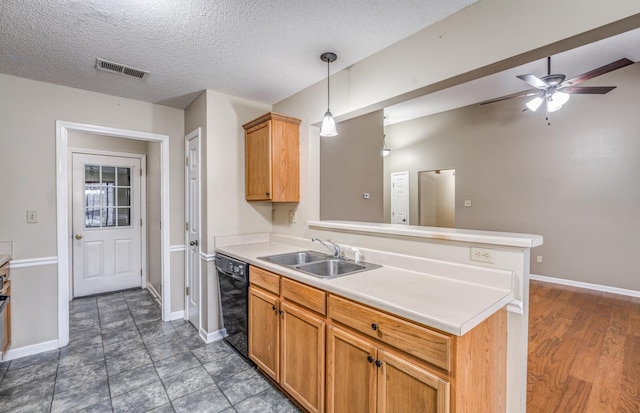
(287, 335)
(264, 327)
(272, 159)
(333, 354)
(364, 378)
(6, 314)
(377, 362)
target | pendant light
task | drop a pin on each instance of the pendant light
(385, 151)
(328, 127)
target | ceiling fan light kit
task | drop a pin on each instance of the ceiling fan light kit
(556, 91)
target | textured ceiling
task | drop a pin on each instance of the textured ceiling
(260, 50)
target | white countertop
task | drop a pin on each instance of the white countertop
(4, 258)
(445, 304)
(449, 234)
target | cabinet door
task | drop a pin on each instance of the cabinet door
(258, 162)
(351, 373)
(264, 331)
(303, 352)
(404, 387)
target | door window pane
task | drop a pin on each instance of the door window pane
(105, 189)
(124, 217)
(109, 174)
(124, 178)
(124, 197)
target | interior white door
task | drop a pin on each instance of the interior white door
(106, 220)
(400, 198)
(193, 229)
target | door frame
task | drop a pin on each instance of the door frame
(195, 134)
(62, 213)
(408, 199)
(143, 206)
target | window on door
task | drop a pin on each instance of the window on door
(107, 194)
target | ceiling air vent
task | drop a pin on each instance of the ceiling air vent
(120, 69)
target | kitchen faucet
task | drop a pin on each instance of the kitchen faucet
(334, 247)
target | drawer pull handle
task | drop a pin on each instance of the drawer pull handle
(378, 363)
(374, 326)
(370, 359)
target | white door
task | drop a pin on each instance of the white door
(106, 224)
(400, 198)
(193, 228)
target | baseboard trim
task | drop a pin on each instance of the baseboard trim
(16, 353)
(214, 336)
(589, 286)
(176, 315)
(154, 293)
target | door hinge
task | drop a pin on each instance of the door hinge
(186, 226)
(187, 291)
(140, 171)
(161, 225)
(140, 272)
(141, 222)
(186, 161)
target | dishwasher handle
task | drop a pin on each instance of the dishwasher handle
(230, 275)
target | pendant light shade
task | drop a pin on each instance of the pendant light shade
(328, 127)
(534, 103)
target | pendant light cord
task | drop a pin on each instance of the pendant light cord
(328, 83)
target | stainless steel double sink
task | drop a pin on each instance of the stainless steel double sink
(319, 265)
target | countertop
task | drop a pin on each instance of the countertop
(4, 258)
(445, 304)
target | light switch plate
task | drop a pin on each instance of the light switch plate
(32, 217)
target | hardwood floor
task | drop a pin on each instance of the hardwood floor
(584, 351)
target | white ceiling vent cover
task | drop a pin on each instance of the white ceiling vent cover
(120, 69)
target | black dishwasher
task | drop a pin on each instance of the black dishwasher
(233, 279)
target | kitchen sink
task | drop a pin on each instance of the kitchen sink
(295, 258)
(319, 265)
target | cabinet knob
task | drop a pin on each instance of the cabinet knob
(281, 312)
(266, 193)
(378, 363)
(370, 359)
(374, 326)
(273, 307)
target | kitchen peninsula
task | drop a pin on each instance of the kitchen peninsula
(440, 322)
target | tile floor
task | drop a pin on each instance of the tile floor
(121, 357)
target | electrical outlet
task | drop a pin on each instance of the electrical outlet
(483, 255)
(293, 216)
(539, 259)
(467, 202)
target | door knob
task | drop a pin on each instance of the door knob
(78, 237)
(194, 243)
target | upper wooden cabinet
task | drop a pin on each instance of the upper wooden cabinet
(272, 158)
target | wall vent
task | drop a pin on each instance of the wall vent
(112, 67)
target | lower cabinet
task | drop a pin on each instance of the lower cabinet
(364, 378)
(336, 355)
(287, 340)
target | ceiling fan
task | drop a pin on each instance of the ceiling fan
(555, 90)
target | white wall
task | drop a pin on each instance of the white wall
(28, 112)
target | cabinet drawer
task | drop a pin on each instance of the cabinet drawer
(421, 342)
(309, 297)
(264, 279)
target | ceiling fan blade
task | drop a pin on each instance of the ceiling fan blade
(514, 95)
(588, 90)
(618, 64)
(534, 81)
